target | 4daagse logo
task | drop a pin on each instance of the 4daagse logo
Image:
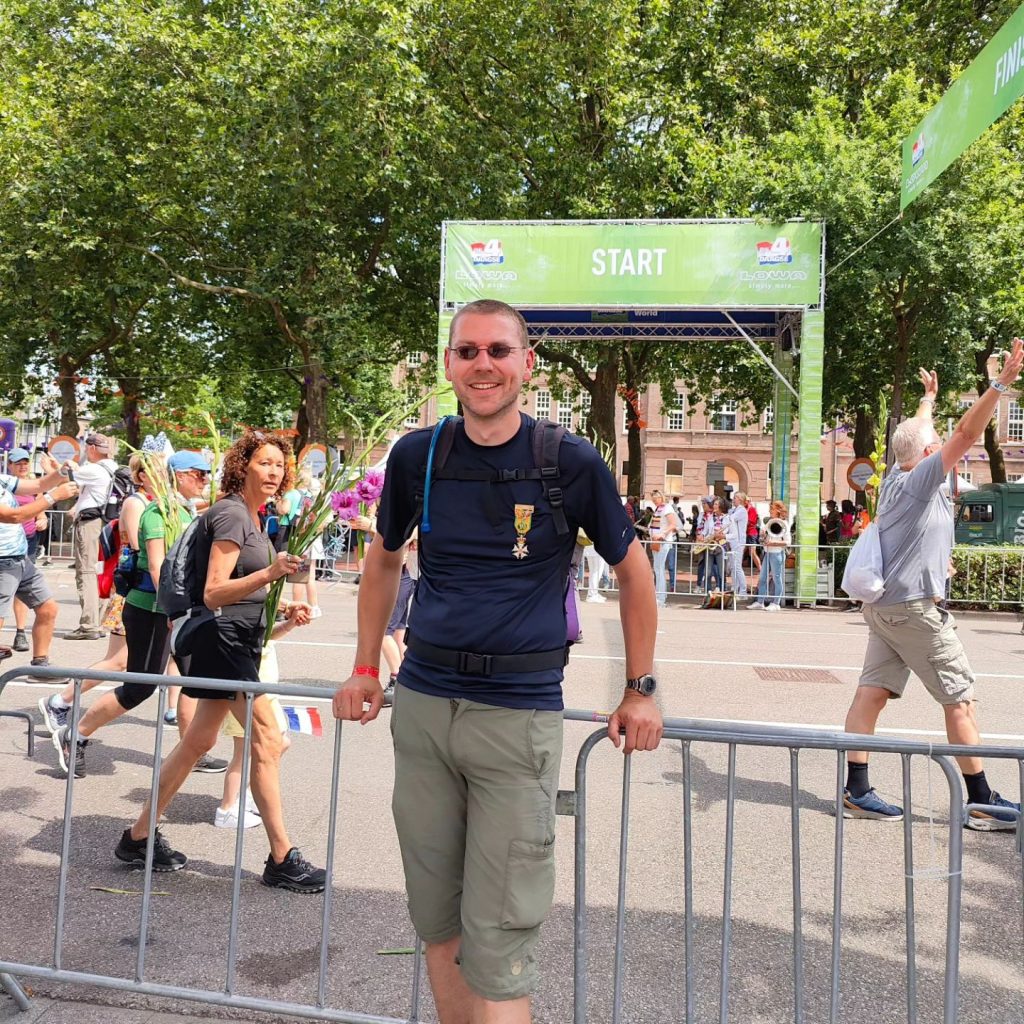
(773, 253)
(487, 254)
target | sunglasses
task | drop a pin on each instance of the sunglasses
(201, 474)
(499, 350)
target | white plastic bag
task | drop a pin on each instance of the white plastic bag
(862, 578)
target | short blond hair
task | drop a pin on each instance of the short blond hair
(157, 461)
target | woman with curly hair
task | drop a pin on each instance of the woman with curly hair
(242, 565)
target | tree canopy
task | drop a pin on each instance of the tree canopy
(242, 198)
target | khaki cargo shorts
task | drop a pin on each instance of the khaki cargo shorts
(474, 806)
(918, 637)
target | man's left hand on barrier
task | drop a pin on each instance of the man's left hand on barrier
(639, 720)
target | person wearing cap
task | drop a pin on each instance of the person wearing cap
(146, 629)
(18, 575)
(94, 478)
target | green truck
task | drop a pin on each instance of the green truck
(993, 514)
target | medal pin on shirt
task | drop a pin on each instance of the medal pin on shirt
(523, 522)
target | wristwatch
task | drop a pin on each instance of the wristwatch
(645, 685)
(998, 385)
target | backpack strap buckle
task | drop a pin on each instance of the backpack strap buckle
(474, 664)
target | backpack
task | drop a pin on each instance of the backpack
(545, 443)
(183, 572)
(121, 485)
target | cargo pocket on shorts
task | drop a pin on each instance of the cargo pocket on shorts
(953, 672)
(529, 884)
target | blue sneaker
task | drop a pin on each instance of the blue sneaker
(870, 805)
(998, 815)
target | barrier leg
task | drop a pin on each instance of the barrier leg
(31, 728)
(15, 991)
(837, 892)
(620, 909)
(730, 822)
(798, 935)
(908, 876)
(688, 924)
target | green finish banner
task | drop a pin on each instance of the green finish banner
(985, 91)
(661, 264)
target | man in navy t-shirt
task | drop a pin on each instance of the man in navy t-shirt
(477, 719)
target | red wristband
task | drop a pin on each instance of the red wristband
(366, 670)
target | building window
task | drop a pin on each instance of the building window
(565, 414)
(964, 404)
(1015, 421)
(677, 413)
(726, 415)
(412, 421)
(1014, 478)
(769, 416)
(966, 477)
(543, 406)
(540, 364)
(673, 477)
(414, 360)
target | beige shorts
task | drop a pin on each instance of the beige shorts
(474, 806)
(918, 637)
(233, 727)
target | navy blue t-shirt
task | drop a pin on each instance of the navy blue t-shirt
(473, 594)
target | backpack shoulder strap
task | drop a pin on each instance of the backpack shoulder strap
(441, 442)
(546, 443)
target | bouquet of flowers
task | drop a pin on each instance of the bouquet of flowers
(340, 496)
(356, 501)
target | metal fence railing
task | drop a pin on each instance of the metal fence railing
(797, 741)
(982, 578)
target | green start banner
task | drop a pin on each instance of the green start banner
(984, 92)
(657, 263)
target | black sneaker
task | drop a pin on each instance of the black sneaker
(62, 744)
(210, 765)
(295, 873)
(20, 640)
(54, 718)
(133, 853)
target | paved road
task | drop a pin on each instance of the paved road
(731, 666)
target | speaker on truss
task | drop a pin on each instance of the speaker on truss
(786, 339)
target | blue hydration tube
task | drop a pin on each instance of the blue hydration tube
(425, 521)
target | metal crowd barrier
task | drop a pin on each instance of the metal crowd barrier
(795, 740)
(687, 577)
(572, 803)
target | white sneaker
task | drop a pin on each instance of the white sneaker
(315, 612)
(771, 607)
(250, 804)
(229, 818)
(597, 599)
(757, 604)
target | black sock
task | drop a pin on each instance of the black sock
(978, 789)
(857, 778)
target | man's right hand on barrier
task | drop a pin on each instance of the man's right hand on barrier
(356, 691)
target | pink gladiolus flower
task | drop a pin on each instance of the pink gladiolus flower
(345, 504)
(369, 491)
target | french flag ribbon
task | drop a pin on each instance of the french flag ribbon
(303, 719)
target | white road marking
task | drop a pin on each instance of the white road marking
(678, 661)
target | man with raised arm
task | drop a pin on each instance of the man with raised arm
(477, 718)
(909, 631)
